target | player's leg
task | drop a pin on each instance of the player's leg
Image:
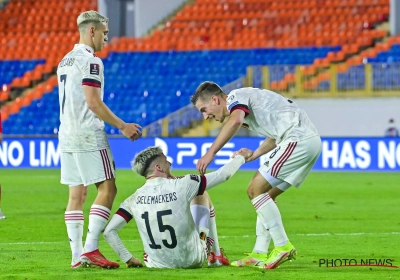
(73, 215)
(100, 213)
(269, 215)
(290, 165)
(203, 213)
(200, 209)
(98, 168)
(217, 255)
(259, 253)
(74, 222)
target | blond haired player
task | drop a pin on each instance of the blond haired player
(291, 148)
(172, 214)
(85, 152)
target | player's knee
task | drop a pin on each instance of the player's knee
(112, 191)
(84, 196)
(201, 200)
(250, 194)
(251, 191)
(108, 188)
(254, 190)
(76, 196)
(75, 201)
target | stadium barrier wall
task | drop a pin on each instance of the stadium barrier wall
(338, 154)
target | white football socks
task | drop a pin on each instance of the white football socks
(98, 218)
(263, 238)
(74, 221)
(213, 236)
(271, 218)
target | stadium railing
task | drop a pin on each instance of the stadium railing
(335, 81)
(184, 117)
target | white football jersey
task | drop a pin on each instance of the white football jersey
(271, 115)
(80, 129)
(161, 209)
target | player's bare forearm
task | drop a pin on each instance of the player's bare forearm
(227, 132)
(103, 112)
(264, 148)
(97, 106)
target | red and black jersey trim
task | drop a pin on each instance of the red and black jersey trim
(91, 83)
(202, 185)
(124, 214)
(242, 107)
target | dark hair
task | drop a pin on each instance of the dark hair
(205, 91)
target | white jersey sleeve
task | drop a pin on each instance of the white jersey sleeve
(117, 222)
(125, 210)
(91, 71)
(192, 185)
(238, 101)
(272, 115)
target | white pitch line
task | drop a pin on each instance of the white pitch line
(222, 237)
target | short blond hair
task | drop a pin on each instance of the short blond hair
(141, 162)
(90, 17)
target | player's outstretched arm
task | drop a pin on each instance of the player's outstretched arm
(230, 128)
(264, 148)
(111, 235)
(225, 172)
(97, 106)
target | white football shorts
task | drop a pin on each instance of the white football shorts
(291, 162)
(86, 168)
(198, 255)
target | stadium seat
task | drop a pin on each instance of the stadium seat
(207, 40)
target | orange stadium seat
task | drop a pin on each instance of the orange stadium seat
(204, 24)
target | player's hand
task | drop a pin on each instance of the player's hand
(131, 131)
(246, 153)
(134, 262)
(202, 164)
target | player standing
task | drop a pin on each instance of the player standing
(172, 214)
(292, 147)
(85, 152)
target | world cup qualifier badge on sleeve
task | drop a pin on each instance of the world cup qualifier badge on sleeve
(94, 69)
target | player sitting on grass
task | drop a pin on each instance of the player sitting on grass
(172, 214)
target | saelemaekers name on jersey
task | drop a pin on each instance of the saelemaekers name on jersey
(155, 199)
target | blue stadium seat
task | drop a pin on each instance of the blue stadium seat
(10, 69)
(142, 87)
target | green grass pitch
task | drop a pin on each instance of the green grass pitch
(332, 216)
